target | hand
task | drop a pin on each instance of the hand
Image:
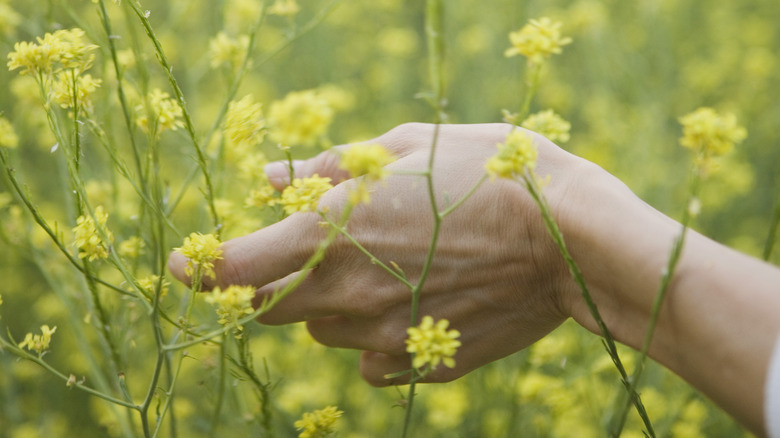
(496, 275)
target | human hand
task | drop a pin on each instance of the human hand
(496, 275)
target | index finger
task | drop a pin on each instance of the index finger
(261, 257)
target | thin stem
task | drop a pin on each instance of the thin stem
(772, 237)
(533, 73)
(532, 185)
(220, 387)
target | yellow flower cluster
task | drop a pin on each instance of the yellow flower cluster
(244, 126)
(87, 239)
(548, 124)
(318, 424)
(39, 343)
(165, 113)
(304, 194)
(63, 90)
(368, 161)
(63, 49)
(232, 303)
(432, 343)
(710, 135)
(301, 118)
(262, 197)
(537, 40)
(149, 285)
(8, 137)
(226, 50)
(201, 251)
(516, 154)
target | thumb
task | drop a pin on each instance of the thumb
(325, 164)
(261, 257)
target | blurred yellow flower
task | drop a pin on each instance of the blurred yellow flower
(244, 126)
(537, 40)
(301, 118)
(165, 114)
(132, 247)
(201, 251)
(284, 7)
(232, 303)
(226, 50)
(432, 343)
(87, 239)
(368, 161)
(9, 19)
(252, 166)
(65, 47)
(304, 194)
(8, 137)
(39, 343)
(262, 197)
(516, 154)
(150, 282)
(318, 424)
(710, 135)
(548, 124)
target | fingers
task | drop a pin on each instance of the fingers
(261, 257)
(400, 140)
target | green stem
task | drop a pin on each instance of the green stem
(772, 237)
(530, 180)
(532, 83)
(220, 387)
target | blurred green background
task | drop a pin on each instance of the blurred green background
(633, 68)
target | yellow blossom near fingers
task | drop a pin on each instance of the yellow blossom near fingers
(516, 154)
(132, 247)
(226, 50)
(301, 118)
(244, 126)
(87, 239)
(262, 197)
(537, 40)
(319, 423)
(710, 135)
(304, 194)
(201, 251)
(549, 124)
(432, 343)
(366, 160)
(252, 166)
(165, 114)
(232, 304)
(39, 343)
(8, 137)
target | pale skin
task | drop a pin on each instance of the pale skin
(497, 275)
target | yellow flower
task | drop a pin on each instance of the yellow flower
(64, 47)
(549, 124)
(304, 194)
(8, 137)
(201, 250)
(285, 8)
(132, 247)
(39, 343)
(166, 113)
(252, 165)
(710, 135)
(262, 197)
(516, 154)
(244, 125)
(366, 160)
(87, 239)
(226, 50)
(9, 19)
(432, 343)
(149, 285)
(537, 40)
(318, 424)
(232, 303)
(301, 118)
(63, 87)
